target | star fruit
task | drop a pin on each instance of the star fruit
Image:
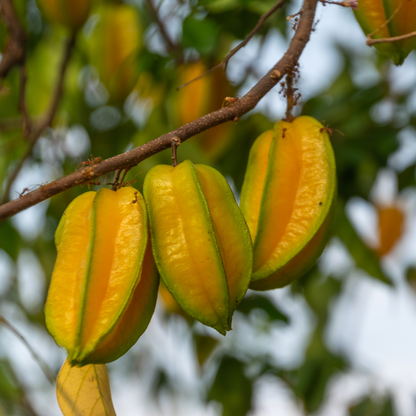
(104, 284)
(287, 198)
(200, 241)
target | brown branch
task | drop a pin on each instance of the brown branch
(225, 61)
(114, 184)
(123, 176)
(57, 92)
(14, 52)
(289, 97)
(387, 21)
(169, 42)
(371, 42)
(22, 102)
(46, 119)
(175, 144)
(135, 156)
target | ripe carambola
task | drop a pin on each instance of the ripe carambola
(390, 225)
(104, 285)
(389, 18)
(200, 241)
(114, 48)
(287, 198)
(70, 13)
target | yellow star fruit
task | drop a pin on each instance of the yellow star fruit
(287, 198)
(200, 241)
(104, 284)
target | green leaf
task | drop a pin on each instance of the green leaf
(407, 177)
(9, 390)
(232, 388)
(204, 345)
(200, 34)
(309, 382)
(10, 235)
(318, 290)
(263, 303)
(219, 6)
(313, 378)
(411, 278)
(364, 258)
(369, 407)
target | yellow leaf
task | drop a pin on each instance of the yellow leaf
(84, 391)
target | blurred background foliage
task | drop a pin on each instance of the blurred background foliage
(120, 92)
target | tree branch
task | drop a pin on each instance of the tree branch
(135, 156)
(22, 102)
(14, 52)
(225, 61)
(172, 48)
(371, 42)
(46, 120)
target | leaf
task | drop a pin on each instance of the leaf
(369, 407)
(232, 388)
(8, 233)
(9, 390)
(319, 291)
(204, 345)
(84, 391)
(313, 378)
(252, 302)
(200, 34)
(406, 177)
(364, 257)
(411, 278)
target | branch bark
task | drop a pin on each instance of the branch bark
(135, 156)
(371, 42)
(14, 52)
(46, 120)
(241, 45)
(171, 47)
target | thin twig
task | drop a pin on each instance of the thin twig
(387, 21)
(14, 52)
(22, 101)
(114, 184)
(371, 42)
(289, 97)
(175, 144)
(46, 120)
(346, 3)
(227, 113)
(123, 176)
(44, 367)
(58, 90)
(169, 42)
(225, 61)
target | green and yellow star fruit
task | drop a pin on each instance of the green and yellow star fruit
(287, 198)
(389, 18)
(104, 284)
(114, 47)
(200, 240)
(69, 13)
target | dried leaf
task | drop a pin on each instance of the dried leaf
(84, 391)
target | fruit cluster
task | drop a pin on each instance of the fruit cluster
(207, 251)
